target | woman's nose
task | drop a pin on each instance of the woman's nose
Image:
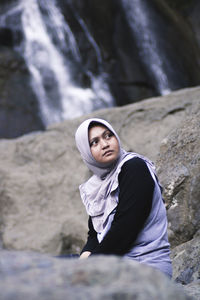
(104, 144)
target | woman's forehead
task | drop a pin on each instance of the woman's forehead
(97, 130)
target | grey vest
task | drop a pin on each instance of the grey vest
(151, 246)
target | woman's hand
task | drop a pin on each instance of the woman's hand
(85, 254)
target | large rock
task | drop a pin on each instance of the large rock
(186, 260)
(31, 276)
(180, 177)
(186, 265)
(39, 202)
(40, 207)
(179, 172)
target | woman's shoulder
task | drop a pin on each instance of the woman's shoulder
(135, 162)
(135, 172)
(134, 167)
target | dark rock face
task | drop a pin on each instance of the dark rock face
(131, 78)
(19, 108)
(107, 44)
(6, 37)
(189, 10)
(19, 111)
(119, 56)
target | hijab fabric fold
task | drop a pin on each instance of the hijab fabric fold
(100, 193)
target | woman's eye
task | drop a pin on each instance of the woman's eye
(93, 143)
(108, 135)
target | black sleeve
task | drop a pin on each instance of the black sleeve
(136, 188)
(92, 241)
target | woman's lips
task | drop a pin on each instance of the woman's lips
(108, 152)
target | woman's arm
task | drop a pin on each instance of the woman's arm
(136, 188)
(92, 241)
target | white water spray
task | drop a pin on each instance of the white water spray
(140, 22)
(46, 39)
(44, 59)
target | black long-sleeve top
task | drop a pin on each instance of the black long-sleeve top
(136, 187)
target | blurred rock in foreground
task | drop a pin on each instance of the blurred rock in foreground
(34, 276)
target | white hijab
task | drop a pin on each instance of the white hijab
(99, 192)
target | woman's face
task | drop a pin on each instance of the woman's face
(103, 144)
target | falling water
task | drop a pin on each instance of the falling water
(59, 98)
(140, 20)
(44, 57)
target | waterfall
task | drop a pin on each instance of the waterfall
(142, 25)
(47, 39)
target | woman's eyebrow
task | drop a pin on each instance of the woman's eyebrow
(93, 138)
(102, 134)
(106, 131)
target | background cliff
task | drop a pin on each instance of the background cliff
(61, 59)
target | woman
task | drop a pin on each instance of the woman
(127, 216)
